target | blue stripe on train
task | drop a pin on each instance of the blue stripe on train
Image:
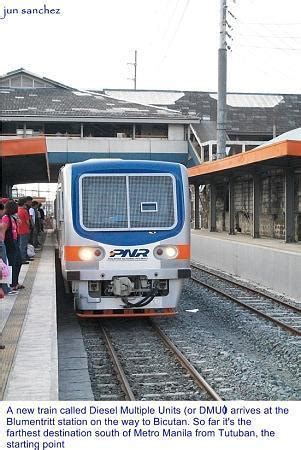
(124, 238)
(72, 157)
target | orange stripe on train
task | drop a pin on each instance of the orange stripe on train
(184, 251)
(71, 253)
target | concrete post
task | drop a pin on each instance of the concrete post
(196, 206)
(231, 206)
(134, 131)
(222, 83)
(81, 130)
(289, 206)
(212, 207)
(256, 205)
(202, 154)
(210, 152)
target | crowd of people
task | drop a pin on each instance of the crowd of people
(21, 228)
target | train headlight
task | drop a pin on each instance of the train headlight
(90, 253)
(166, 252)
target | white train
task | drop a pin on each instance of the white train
(123, 231)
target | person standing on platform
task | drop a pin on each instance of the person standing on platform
(5, 287)
(10, 227)
(37, 226)
(23, 229)
(28, 203)
(42, 214)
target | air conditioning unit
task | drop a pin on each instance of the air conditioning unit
(121, 135)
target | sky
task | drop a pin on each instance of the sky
(90, 43)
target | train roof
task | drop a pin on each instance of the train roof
(110, 163)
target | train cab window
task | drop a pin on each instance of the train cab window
(125, 202)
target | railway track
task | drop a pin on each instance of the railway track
(147, 365)
(282, 313)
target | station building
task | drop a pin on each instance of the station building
(252, 119)
(253, 193)
(45, 124)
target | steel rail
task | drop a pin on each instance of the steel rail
(251, 308)
(120, 373)
(251, 289)
(197, 378)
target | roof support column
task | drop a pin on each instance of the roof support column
(212, 207)
(81, 130)
(231, 206)
(196, 206)
(24, 129)
(289, 205)
(134, 131)
(202, 154)
(256, 205)
(210, 152)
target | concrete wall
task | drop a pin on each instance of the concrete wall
(272, 268)
(272, 205)
(176, 132)
(115, 145)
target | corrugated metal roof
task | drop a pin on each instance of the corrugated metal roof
(292, 135)
(147, 97)
(58, 102)
(252, 100)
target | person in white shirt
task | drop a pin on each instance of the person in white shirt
(32, 216)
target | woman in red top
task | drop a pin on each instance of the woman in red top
(9, 225)
(23, 229)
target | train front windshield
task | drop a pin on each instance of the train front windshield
(128, 202)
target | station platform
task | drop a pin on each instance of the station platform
(29, 362)
(270, 263)
(39, 361)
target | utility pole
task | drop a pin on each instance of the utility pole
(222, 83)
(135, 70)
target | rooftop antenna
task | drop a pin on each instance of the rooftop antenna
(135, 70)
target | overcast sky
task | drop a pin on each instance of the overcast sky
(90, 43)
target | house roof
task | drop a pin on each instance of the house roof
(251, 114)
(5, 80)
(62, 104)
(24, 95)
(163, 98)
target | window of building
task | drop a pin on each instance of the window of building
(62, 129)
(151, 130)
(124, 130)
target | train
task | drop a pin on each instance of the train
(123, 233)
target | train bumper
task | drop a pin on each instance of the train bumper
(161, 274)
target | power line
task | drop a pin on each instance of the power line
(272, 48)
(175, 31)
(170, 20)
(271, 23)
(267, 36)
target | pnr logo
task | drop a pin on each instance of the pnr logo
(126, 252)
